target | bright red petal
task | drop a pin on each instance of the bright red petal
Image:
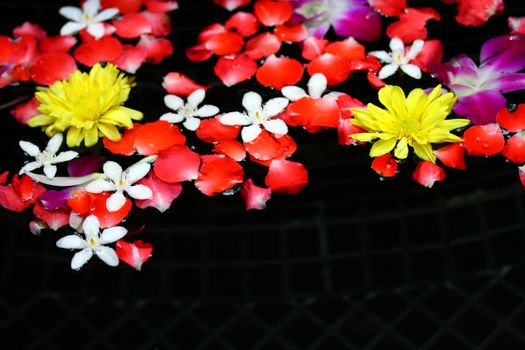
(285, 176)
(3, 177)
(278, 72)
(262, 45)
(217, 174)
(198, 53)
(152, 138)
(255, 197)
(178, 84)
(431, 54)
(106, 49)
(52, 66)
(515, 149)
(336, 69)
(313, 47)
(10, 200)
(233, 69)
(385, 165)
(54, 219)
(272, 13)
(124, 6)
(131, 59)
(177, 164)
(427, 174)
(210, 31)
(212, 131)
(225, 43)
(478, 12)
(374, 81)
(231, 5)
(231, 148)
(156, 48)
(266, 147)
(412, 24)
(57, 43)
(243, 23)
(80, 202)
(125, 146)
(318, 112)
(134, 254)
(452, 155)
(160, 23)
(349, 49)
(163, 193)
(27, 189)
(512, 121)
(25, 111)
(484, 140)
(388, 7)
(158, 6)
(291, 34)
(132, 25)
(105, 217)
(30, 29)
(345, 130)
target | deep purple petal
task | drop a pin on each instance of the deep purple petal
(508, 83)
(362, 23)
(504, 54)
(480, 108)
(85, 165)
(52, 199)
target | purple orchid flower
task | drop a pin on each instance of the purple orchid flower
(480, 89)
(348, 17)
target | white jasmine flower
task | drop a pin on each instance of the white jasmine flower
(94, 243)
(188, 112)
(316, 86)
(119, 181)
(257, 116)
(47, 157)
(87, 17)
(397, 59)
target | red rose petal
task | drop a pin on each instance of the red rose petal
(266, 147)
(160, 23)
(285, 176)
(231, 5)
(27, 189)
(25, 111)
(3, 177)
(313, 47)
(272, 13)
(163, 193)
(57, 43)
(179, 84)
(52, 66)
(134, 254)
(336, 69)
(292, 34)
(512, 121)
(385, 165)
(177, 164)
(54, 219)
(106, 49)
(212, 131)
(431, 54)
(161, 6)
(126, 145)
(124, 6)
(198, 53)
(233, 69)
(318, 112)
(243, 23)
(156, 48)
(388, 7)
(10, 200)
(217, 174)
(484, 140)
(427, 173)
(374, 81)
(478, 12)
(131, 59)
(210, 31)
(349, 49)
(152, 138)
(255, 197)
(132, 25)
(345, 130)
(80, 202)
(452, 155)
(225, 43)
(262, 45)
(231, 148)
(412, 24)
(515, 149)
(278, 72)
(30, 29)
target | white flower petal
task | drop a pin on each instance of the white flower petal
(196, 97)
(172, 117)
(192, 123)
(29, 167)
(72, 13)
(235, 118)
(112, 234)
(96, 30)
(112, 170)
(99, 186)
(173, 102)
(139, 192)
(275, 106)
(415, 49)
(411, 70)
(64, 157)
(80, 258)
(387, 71)
(293, 93)
(107, 255)
(71, 28)
(50, 170)
(71, 242)
(91, 226)
(397, 46)
(383, 56)
(136, 172)
(106, 14)
(250, 133)
(317, 85)
(252, 101)
(207, 111)
(277, 126)
(75, 222)
(54, 144)
(30, 148)
(115, 201)
(91, 7)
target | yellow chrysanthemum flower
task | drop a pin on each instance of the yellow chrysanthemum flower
(417, 121)
(86, 106)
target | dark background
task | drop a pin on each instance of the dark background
(352, 262)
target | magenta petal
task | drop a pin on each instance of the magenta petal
(85, 165)
(508, 83)
(481, 108)
(52, 199)
(362, 23)
(504, 54)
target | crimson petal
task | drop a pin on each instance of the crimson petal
(217, 174)
(163, 193)
(515, 149)
(427, 173)
(385, 165)
(285, 176)
(512, 121)
(243, 23)
(54, 219)
(177, 164)
(52, 66)
(134, 254)
(278, 72)
(336, 69)
(212, 131)
(484, 140)
(272, 13)
(176, 83)
(152, 138)
(233, 69)
(254, 197)
(452, 155)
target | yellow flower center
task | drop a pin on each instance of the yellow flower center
(92, 243)
(408, 126)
